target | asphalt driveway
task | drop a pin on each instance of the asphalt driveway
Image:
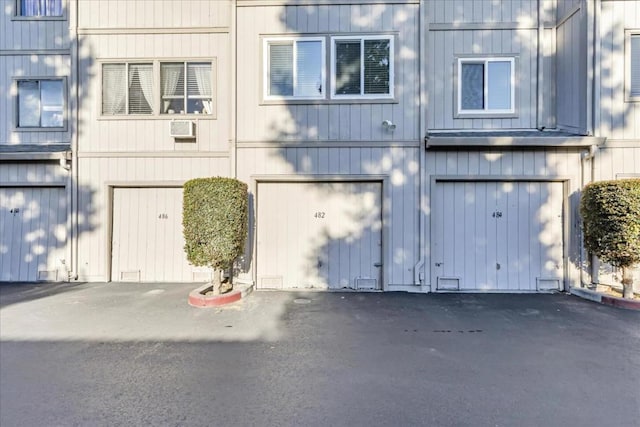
(137, 354)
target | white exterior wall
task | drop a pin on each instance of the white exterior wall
(18, 33)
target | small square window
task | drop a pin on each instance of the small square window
(294, 68)
(35, 8)
(186, 88)
(486, 85)
(40, 103)
(362, 67)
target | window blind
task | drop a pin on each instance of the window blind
(635, 64)
(281, 69)
(113, 89)
(376, 66)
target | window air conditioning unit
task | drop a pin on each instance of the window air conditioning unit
(183, 129)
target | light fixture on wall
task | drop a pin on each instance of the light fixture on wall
(389, 125)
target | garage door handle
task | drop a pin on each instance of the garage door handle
(377, 264)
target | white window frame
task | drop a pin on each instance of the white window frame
(361, 39)
(485, 60)
(628, 97)
(154, 85)
(18, 6)
(16, 103)
(267, 69)
(185, 96)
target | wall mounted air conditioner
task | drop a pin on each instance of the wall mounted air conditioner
(183, 129)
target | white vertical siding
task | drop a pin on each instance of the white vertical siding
(619, 119)
(327, 120)
(487, 11)
(153, 13)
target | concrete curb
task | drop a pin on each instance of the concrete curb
(605, 299)
(197, 299)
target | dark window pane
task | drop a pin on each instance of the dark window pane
(348, 68)
(472, 90)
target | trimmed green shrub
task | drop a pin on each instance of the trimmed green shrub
(214, 220)
(611, 215)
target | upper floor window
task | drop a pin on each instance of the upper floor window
(362, 67)
(486, 86)
(40, 103)
(39, 8)
(127, 88)
(634, 67)
(294, 68)
(186, 88)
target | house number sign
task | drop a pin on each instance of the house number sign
(163, 216)
(319, 215)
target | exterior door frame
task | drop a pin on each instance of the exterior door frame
(385, 210)
(564, 180)
(110, 187)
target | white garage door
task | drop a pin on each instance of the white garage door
(33, 234)
(497, 236)
(147, 239)
(319, 235)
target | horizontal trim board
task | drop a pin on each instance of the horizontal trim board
(499, 178)
(328, 144)
(29, 52)
(305, 178)
(453, 26)
(507, 141)
(145, 184)
(22, 156)
(163, 30)
(620, 143)
(33, 184)
(157, 154)
(252, 3)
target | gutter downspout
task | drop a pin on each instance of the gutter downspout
(75, 76)
(419, 268)
(232, 99)
(591, 40)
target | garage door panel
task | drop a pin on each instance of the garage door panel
(497, 236)
(147, 239)
(328, 234)
(33, 233)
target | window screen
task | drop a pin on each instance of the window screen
(40, 103)
(635, 65)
